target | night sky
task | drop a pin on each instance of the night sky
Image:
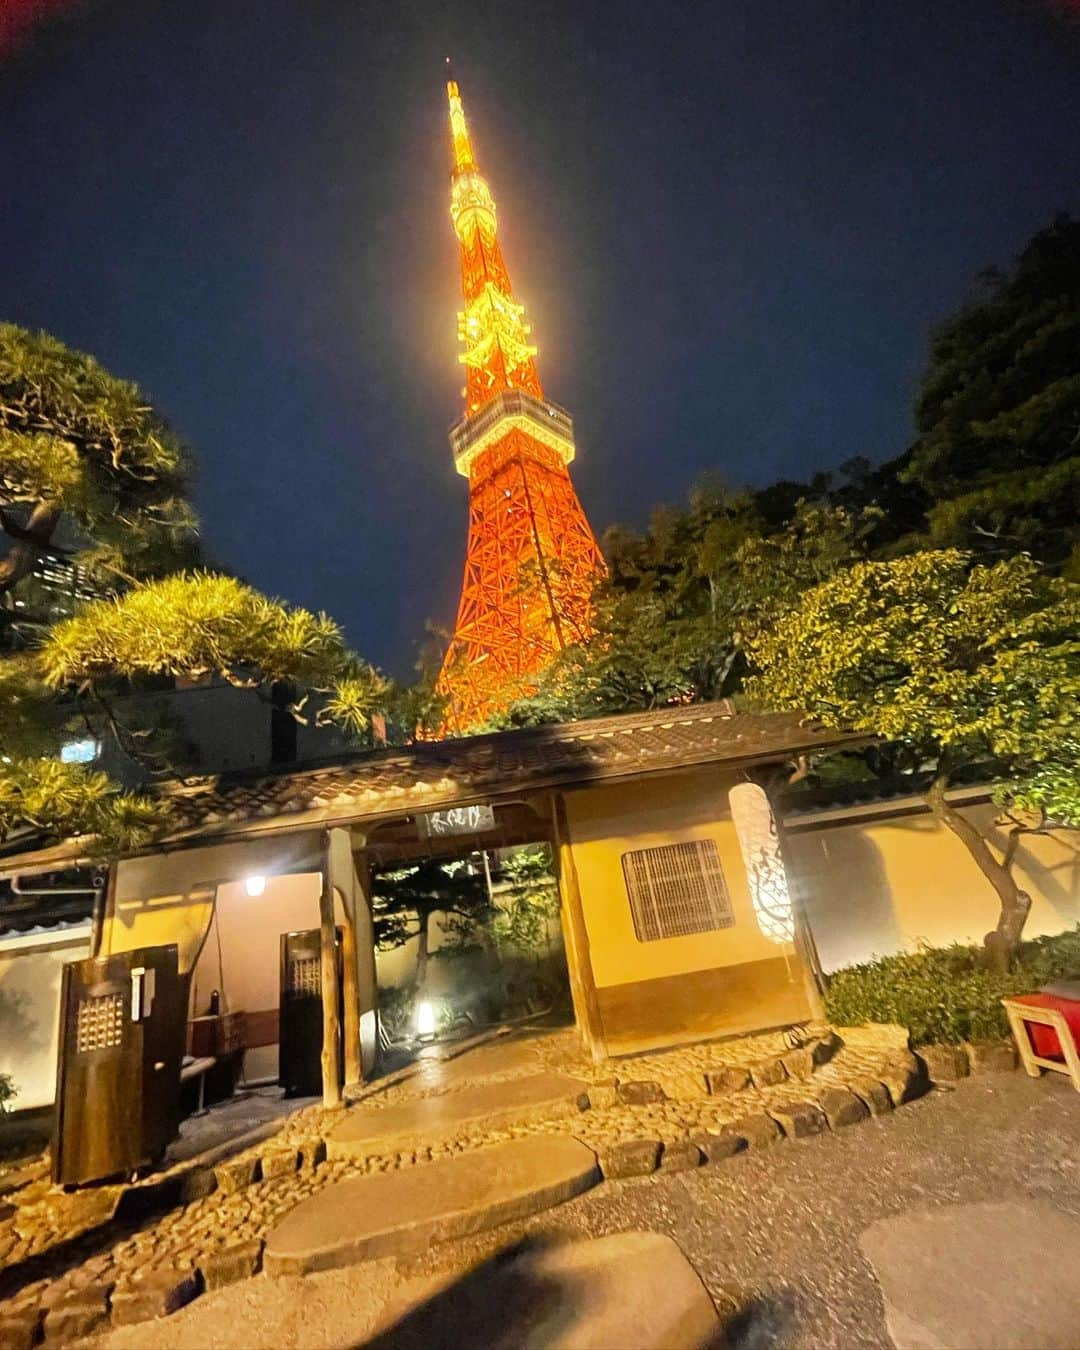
(732, 224)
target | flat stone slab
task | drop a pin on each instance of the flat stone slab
(994, 1276)
(481, 1061)
(633, 1290)
(366, 1130)
(390, 1213)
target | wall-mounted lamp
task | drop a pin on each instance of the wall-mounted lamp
(255, 886)
(759, 842)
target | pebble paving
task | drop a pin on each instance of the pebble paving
(52, 1243)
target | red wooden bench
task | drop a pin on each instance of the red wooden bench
(1046, 1028)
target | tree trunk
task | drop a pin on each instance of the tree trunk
(420, 974)
(1003, 940)
(34, 536)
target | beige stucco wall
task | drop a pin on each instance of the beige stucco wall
(607, 822)
(877, 885)
(168, 897)
(672, 990)
(30, 969)
(245, 966)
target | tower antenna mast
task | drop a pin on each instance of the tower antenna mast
(531, 560)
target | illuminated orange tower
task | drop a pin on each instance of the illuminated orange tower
(531, 559)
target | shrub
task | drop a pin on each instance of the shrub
(947, 993)
(8, 1092)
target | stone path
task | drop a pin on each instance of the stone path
(634, 1291)
(407, 1211)
(247, 1112)
(430, 1119)
(979, 1275)
(674, 1110)
(774, 1235)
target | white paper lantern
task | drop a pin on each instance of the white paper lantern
(759, 842)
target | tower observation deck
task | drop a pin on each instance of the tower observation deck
(531, 560)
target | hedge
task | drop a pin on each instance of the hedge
(946, 993)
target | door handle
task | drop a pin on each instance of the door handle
(143, 983)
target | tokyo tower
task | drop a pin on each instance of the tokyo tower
(531, 560)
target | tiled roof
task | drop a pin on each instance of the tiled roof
(503, 764)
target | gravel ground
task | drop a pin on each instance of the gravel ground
(774, 1235)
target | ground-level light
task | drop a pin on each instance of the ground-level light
(425, 1019)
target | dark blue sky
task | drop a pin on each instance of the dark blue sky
(732, 224)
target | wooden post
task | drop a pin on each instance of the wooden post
(349, 995)
(367, 980)
(343, 880)
(328, 950)
(576, 938)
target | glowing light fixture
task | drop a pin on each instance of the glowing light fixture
(83, 751)
(255, 886)
(759, 843)
(425, 1019)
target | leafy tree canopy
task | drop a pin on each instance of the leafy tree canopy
(80, 445)
(964, 665)
(83, 454)
(998, 413)
(672, 620)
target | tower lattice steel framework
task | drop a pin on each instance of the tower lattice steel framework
(531, 560)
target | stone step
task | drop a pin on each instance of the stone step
(634, 1290)
(390, 1213)
(367, 1129)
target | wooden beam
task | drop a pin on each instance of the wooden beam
(328, 951)
(353, 1072)
(576, 937)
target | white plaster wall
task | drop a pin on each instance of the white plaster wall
(875, 886)
(166, 897)
(30, 969)
(245, 966)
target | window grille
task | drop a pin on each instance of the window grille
(677, 889)
(304, 976)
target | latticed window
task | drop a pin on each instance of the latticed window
(677, 889)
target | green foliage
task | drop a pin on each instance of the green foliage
(8, 1093)
(419, 710)
(1021, 511)
(82, 450)
(975, 664)
(404, 899)
(67, 800)
(77, 439)
(192, 624)
(947, 994)
(510, 921)
(998, 414)
(397, 1011)
(527, 899)
(672, 622)
(197, 625)
(1050, 790)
